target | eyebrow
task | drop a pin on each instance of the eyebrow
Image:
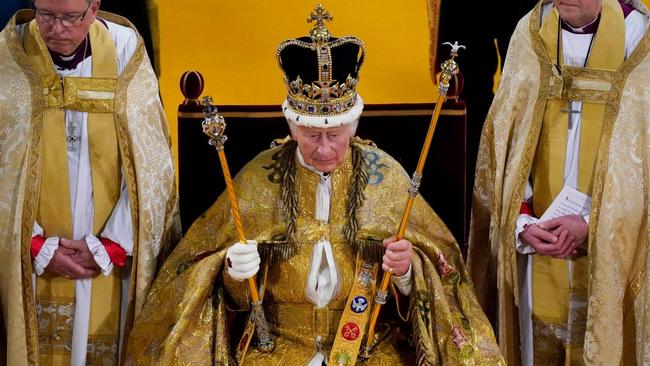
(45, 11)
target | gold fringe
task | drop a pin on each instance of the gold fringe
(284, 173)
(359, 181)
(275, 251)
(288, 192)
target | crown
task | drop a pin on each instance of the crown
(321, 72)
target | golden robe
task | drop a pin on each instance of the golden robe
(185, 317)
(145, 154)
(618, 315)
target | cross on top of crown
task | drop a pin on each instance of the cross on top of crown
(320, 15)
(319, 33)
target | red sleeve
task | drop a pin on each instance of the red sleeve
(36, 245)
(115, 252)
(526, 209)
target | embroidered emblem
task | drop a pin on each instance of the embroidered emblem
(275, 174)
(366, 278)
(359, 304)
(350, 331)
(55, 321)
(343, 358)
(443, 267)
(372, 162)
(458, 336)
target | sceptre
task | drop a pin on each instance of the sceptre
(449, 69)
(214, 126)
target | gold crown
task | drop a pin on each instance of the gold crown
(329, 87)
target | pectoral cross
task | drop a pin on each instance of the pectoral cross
(72, 139)
(571, 112)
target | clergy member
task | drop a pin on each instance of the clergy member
(560, 210)
(87, 188)
(322, 208)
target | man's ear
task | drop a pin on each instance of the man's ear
(94, 8)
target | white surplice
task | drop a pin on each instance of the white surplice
(575, 47)
(119, 227)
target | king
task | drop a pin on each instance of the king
(321, 208)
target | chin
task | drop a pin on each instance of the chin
(60, 48)
(325, 168)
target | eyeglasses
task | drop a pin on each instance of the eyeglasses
(67, 20)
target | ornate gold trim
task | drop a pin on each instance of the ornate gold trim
(128, 168)
(612, 100)
(31, 181)
(611, 112)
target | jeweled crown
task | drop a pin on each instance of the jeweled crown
(321, 72)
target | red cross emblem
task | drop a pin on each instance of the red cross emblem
(350, 331)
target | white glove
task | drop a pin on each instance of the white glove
(243, 260)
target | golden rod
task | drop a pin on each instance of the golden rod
(214, 126)
(449, 69)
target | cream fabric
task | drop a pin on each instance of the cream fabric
(618, 315)
(146, 154)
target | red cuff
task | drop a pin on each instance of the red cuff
(526, 209)
(115, 252)
(36, 245)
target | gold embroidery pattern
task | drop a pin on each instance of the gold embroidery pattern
(55, 321)
(503, 167)
(14, 45)
(102, 351)
(177, 329)
(20, 154)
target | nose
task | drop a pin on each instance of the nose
(324, 146)
(57, 26)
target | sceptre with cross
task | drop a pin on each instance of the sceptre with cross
(449, 69)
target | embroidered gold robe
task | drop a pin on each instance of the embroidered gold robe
(185, 319)
(617, 312)
(146, 160)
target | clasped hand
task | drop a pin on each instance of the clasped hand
(560, 237)
(73, 260)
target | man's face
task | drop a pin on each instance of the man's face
(58, 37)
(323, 148)
(578, 13)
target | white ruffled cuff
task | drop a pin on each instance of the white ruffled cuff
(403, 282)
(100, 254)
(45, 255)
(522, 221)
